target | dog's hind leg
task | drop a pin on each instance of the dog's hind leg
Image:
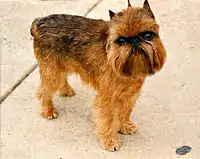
(65, 89)
(50, 77)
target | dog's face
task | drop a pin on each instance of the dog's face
(134, 47)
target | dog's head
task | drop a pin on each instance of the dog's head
(134, 46)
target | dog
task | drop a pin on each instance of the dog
(114, 57)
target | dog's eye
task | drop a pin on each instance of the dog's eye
(121, 41)
(148, 36)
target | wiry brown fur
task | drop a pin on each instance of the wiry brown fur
(65, 44)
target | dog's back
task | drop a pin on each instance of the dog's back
(67, 35)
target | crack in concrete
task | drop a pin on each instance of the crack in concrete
(94, 6)
(23, 77)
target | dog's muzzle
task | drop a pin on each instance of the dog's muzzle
(135, 41)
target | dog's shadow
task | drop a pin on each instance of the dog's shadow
(76, 112)
(154, 121)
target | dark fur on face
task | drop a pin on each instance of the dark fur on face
(134, 46)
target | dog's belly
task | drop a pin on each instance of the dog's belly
(73, 67)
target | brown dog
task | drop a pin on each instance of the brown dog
(113, 56)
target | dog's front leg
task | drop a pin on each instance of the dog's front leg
(107, 122)
(127, 127)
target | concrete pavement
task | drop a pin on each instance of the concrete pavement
(167, 113)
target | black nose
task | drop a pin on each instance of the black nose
(135, 41)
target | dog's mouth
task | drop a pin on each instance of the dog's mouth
(142, 58)
(148, 60)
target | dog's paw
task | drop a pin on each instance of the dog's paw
(49, 114)
(110, 144)
(67, 92)
(128, 128)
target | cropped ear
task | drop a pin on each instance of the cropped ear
(146, 6)
(111, 14)
(129, 4)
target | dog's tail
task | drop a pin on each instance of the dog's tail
(33, 29)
